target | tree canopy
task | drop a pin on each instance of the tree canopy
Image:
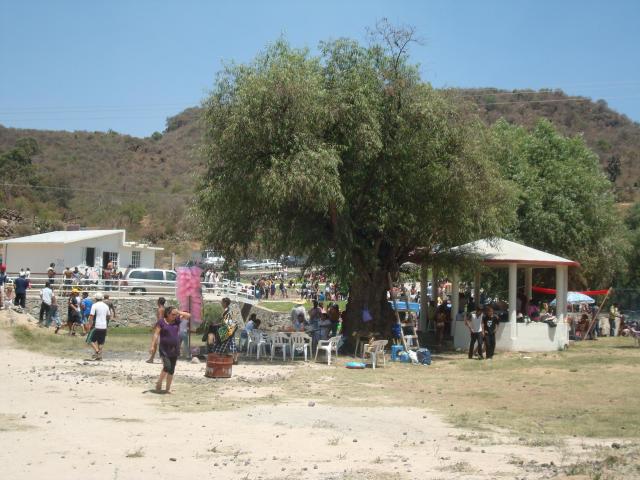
(348, 157)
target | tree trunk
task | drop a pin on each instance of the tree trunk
(369, 292)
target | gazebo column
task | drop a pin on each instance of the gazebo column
(528, 282)
(513, 293)
(424, 300)
(561, 292)
(455, 295)
(476, 289)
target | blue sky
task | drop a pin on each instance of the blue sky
(128, 65)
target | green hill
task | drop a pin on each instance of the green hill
(145, 184)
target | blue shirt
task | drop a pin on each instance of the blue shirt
(86, 306)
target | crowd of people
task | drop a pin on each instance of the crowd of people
(271, 286)
(89, 313)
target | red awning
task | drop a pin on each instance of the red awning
(552, 291)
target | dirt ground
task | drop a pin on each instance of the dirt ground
(63, 418)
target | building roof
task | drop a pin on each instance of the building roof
(501, 251)
(63, 236)
(72, 237)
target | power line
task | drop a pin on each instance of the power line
(93, 190)
(556, 100)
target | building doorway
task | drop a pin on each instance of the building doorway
(90, 257)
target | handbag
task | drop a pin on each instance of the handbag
(225, 332)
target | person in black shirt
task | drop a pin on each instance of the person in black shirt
(21, 284)
(490, 326)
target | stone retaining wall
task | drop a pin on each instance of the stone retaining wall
(129, 311)
(141, 311)
(270, 320)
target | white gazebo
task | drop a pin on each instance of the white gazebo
(511, 335)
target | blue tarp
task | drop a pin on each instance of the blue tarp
(402, 306)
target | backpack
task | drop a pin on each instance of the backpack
(424, 356)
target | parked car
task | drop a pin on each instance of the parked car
(270, 264)
(293, 261)
(142, 280)
(248, 264)
(211, 259)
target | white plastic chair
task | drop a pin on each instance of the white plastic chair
(328, 346)
(376, 350)
(299, 342)
(258, 340)
(281, 341)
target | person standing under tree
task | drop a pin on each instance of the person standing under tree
(614, 314)
(490, 324)
(166, 338)
(98, 318)
(474, 324)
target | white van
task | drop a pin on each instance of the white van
(151, 280)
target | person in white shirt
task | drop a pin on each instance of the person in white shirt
(98, 320)
(474, 324)
(46, 297)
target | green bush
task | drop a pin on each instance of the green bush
(212, 314)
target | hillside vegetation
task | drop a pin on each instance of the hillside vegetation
(110, 180)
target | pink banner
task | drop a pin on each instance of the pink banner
(189, 292)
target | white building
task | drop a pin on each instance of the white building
(94, 248)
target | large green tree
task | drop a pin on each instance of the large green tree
(565, 202)
(348, 157)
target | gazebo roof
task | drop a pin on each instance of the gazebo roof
(500, 251)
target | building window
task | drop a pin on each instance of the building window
(135, 259)
(109, 257)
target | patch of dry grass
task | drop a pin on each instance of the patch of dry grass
(590, 390)
(13, 423)
(621, 462)
(538, 397)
